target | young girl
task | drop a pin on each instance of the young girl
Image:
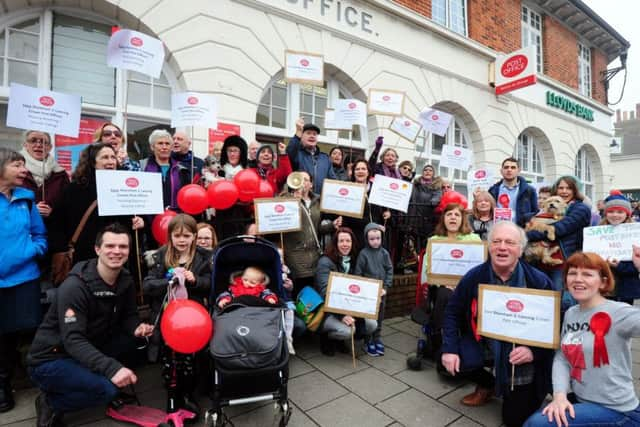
(180, 251)
(617, 210)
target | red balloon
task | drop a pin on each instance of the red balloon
(265, 189)
(222, 194)
(160, 226)
(192, 199)
(248, 183)
(186, 326)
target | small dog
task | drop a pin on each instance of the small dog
(553, 209)
(210, 170)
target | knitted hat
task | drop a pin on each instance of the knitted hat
(617, 201)
(265, 148)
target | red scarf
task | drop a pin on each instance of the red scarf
(237, 288)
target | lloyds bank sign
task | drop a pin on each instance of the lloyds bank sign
(564, 103)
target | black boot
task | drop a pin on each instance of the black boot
(6, 394)
(47, 417)
(327, 345)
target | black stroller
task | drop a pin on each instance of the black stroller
(248, 352)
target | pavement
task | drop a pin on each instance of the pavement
(329, 391)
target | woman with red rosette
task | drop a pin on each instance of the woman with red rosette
(594, 361)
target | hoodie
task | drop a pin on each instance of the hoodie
(374, 263)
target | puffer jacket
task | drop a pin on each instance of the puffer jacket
(424, 200)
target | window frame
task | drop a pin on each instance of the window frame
(584, 172)
(448, 23)
(584, 69)
(528, 30)
(534, 156)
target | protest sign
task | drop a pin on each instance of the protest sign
(43, 110)
(405, 127)
(385, 102)
(449, 260)
(391, 193)
(612, 241)
(502, 214)
(277, 215)
(455, 157)
(135, 51)
(519, 315)
(129, 193)
(434, 121)
(194, 109)
(349, 112)
(354, 296)
(480, 179)
(330, 120)
(343, 198)
(303, 67)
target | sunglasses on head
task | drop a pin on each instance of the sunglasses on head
(108, 133)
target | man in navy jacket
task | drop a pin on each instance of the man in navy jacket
(513, 191)
(305, 155)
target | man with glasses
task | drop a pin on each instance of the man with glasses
(465, 354)
(46, 178)
(406, 170)
(513, 192)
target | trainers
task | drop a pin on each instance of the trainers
(371, 350)
(379, 347)
(292, 351)
(47, 417)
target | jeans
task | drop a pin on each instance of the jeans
(591, 414)
(336, 330)
(69, 386)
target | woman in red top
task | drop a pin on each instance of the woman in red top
(276, 176)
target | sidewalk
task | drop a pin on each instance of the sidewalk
(328, 391)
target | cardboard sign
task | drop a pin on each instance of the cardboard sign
(67, 149)
(516, 70)
(43, 110)
(277, 215)
(132, 50)
(343, 198)
(406, 128)
(303, 67)
(481, 179)
(456, 157)
(194, 109)
(612, 241)
(519, 315)
(449, 260)
(385, 102)
(330, 121)
(391, 193)
(221, 133)
(434, 121)
(129, 193)
(354, 296)
(349, 112)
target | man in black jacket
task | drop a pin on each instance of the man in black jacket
(91, 323)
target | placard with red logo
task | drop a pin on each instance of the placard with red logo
(449, 260)
(132, 50)
(350, 112)
(405, 127)
(480, 179)
(129, 193)
(516, 70)
(194, 109)
(519, 315)
(385, 102)
(456, 157)
(354, 296)
(435, 121)
(277, 215)
(330, 120)
(391, 193)
(37, 109)
(303, 67)
(343, 198)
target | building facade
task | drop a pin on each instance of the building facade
(624, 159)
(436, 51)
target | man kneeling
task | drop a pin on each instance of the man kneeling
(91, 323)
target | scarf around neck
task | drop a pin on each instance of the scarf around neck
(40, 170)
(231, 171)
(392, 173)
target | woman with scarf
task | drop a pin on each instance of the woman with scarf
(233, 157)
(276, 176)
(233, 221)
(337, 164)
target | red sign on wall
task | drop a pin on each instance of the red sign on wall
(516, 70)
(221, 133)
(67, 149)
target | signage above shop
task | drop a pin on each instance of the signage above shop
(515, 70)
(564, 103)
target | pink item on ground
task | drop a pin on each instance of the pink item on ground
(149, 417)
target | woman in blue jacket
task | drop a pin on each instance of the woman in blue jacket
(24, 240)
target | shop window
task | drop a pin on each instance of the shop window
(20, 53)
(313, 102)
(584, 70)
(530, 158)
(583, 172)
(532, 32)
(451, 14)
(272, 111)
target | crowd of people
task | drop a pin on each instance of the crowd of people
(86, 341)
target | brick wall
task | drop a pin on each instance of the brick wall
(598, 65)
(423, 7)
(560, 52)
(495, 23)
(402, 296)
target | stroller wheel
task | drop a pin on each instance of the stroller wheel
(414, 362)
(286, 414)
(214, 419)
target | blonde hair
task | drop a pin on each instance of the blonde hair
(178, 223)
(476, 198)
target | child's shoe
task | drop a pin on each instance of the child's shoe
(379, 347)
(371, 350)
(292, 351)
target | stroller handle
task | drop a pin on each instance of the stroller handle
(242, 238)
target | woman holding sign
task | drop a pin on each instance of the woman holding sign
(594, 361)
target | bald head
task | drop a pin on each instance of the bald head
(181, 142)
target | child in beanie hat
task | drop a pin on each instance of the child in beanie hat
(617, 201)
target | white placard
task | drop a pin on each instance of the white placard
(343, 198)
(612, 241)
(349, 112)
(43, 110)
(330, 120)
(132, 50)
(434, 121)
(303, 67)
(519, 315)
(129, 193)
(391, 193)
(455, 157)
(481, 179)
(194, 109)
(353, 295)
(277, 215)
(385, 102)
(405, 127)
(516, 70)
(455, 258)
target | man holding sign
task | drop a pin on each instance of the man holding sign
(513, 193)
(463, 351)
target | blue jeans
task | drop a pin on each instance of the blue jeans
(69, 386)
(590, 414)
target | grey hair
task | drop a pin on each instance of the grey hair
(502, 224)
(7, 155)
(184, 132)
(157, 134)
(26, 134)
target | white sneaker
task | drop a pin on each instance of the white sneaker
(292, 351)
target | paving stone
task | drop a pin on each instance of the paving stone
(464, 422)
(267, 415)
(24, 408)
(393, 320)
(404, 343)
(313, 389)
(307, 347)
(412, 408)
(26, 423)
(349, 411)
(489, 415)
(372, 385)
(429, 382)
(408, 327)
(338, 365)
(297, 367)
(391, 363)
